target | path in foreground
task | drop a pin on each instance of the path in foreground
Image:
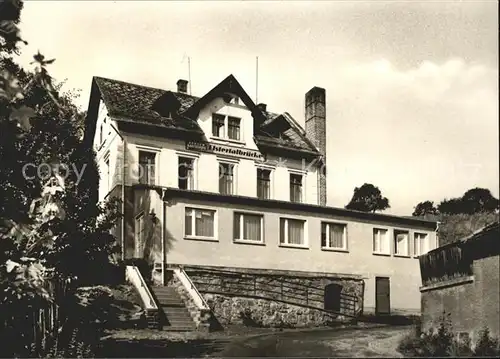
(352, 342)
(359, 342)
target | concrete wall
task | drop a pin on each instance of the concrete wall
(404, 272)
(472, 304)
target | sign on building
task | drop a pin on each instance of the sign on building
(224, 150)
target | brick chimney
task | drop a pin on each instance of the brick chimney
(262, 107)
(182, 86)
(316, 132)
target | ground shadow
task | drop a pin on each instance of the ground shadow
(402, 320)
(153, 348)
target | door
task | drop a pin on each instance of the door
(382, 295)
(332, 297)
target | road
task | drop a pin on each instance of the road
(348, 342)
(357, 343)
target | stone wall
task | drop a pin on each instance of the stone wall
(275, 298)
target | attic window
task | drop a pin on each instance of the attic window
(227, 127)
(231, 99)
(166, 105)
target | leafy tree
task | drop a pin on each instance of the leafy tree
(450, 206)
(475, 200)
(478, 200)
(424, 208)
(368, 198)
(9, 32)
(50, 224)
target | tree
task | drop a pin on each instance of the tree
(424, 208)
(9, 32)
(475, 200)
(478, 200)
(368, 198)
(50, 225)
(450, 206)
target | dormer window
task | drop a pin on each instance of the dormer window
(233, 128)
(226, 127)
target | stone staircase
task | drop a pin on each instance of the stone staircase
(174, 316)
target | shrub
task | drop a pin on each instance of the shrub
(486, 346)
(444, 343)
(411, 345)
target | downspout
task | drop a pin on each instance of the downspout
(124, 152)
(163, 220)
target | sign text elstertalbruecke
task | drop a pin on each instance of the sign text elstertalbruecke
(224, 150)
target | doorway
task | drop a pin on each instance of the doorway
(332, 297)
(382, 296)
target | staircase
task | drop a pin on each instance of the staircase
(174, 315)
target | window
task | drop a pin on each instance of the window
(295, 187)
(334, 235)
(101, 133)
(200, 223)
(186, 173)
(401, 239)
(248, 227)
(226, 178)
(147, 164)
(139, 235)
(263, 183)
(108, 176)
(380, 241)
(218, 124)
(233, 128)
(226, 127)
(420, 244)
(292, 232)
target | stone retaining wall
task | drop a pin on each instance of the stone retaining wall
(272, 298)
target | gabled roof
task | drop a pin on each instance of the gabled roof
(227, 86)
(137, 104)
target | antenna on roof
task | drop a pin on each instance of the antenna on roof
(189, 74)
(256, 79)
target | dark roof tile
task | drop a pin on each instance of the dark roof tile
(134, 103)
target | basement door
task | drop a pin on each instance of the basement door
(382, 295)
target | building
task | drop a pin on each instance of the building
(218, 182)
(462, 280)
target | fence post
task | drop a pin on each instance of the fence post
(307, 295)
(281, 286)
(254, 285)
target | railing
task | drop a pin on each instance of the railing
(191, 288)
(133, 275)
(277, 289)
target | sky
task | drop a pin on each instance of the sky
(411, 87)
